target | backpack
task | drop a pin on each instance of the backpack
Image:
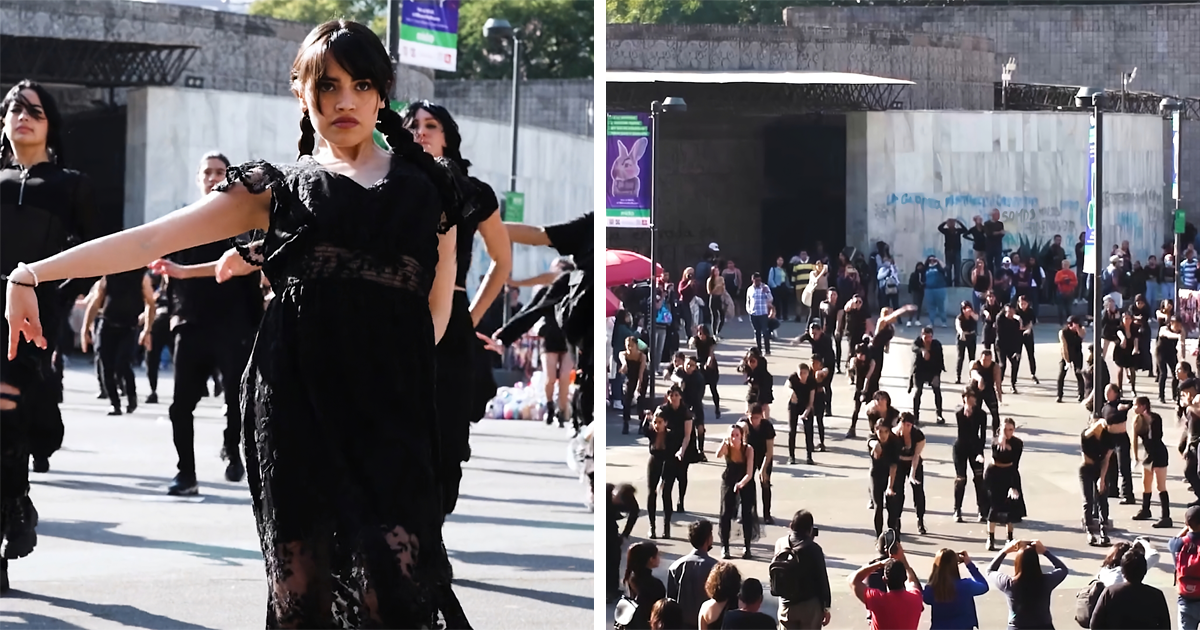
(1085, 602)
(1187, 570)
(787, 576)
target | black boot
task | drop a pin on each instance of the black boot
(1144, 513)
(3, 575)
(1010, 535)
(725, 555)
(921, 527)
(1164, 502)
(746, 555)
(1091, 536)
(1104, 540)
(991, 541)
(549, 414)
(653, 527)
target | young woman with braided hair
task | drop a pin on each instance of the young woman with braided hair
(341, 440)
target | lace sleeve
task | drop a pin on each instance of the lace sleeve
(459, 205)
(257, 176)
(253, 253)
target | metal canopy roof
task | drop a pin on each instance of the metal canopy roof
(799, 77)
(91, 63)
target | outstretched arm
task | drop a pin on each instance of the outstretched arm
(541, 278)
(499, 249)
(527, 234)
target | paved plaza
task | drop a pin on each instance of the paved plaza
(835, 490)
(115, 551)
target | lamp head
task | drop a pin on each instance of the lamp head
(1168, 105)
(498, 28)
(1089, 97)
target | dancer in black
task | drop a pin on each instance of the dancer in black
(622, 504)
(160, 334)
(861, 368)
(1028, 316)
(1126, 353)
(737, 489)
(800, 409)
(854, 321)
(346, 473)
(1148, 431)
(121, 298)
(690, 379)
(993, 310)
(758, 381)
(822, 377)
(885, 329)
(971, 422)
(1096, 446)
(880, 408)
(1006, 506)
(910, 467)
(44, 208)
(1115, 412)
(1110, 321)
(884, 450)
(1009, 339)
(821, 342)
(633, 366)
(966, 333)
(704, 343)
(465, 384)
(1189, 439)
(1143, 315)
(760, 436)
(928, 364)
(1070, 352)
(1171, 345)
(830, 317)
(986, 377)
(671, 426)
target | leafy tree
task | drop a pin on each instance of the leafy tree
(557, 35)
(697, 11)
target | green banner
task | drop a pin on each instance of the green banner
(396, 106)
(426, 36)
(514, 207)
(1180, 221)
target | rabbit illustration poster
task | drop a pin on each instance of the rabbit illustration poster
(629, 177)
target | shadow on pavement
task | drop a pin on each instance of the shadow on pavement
(518, 472)
(101, 533)
(97, 486)
(531, 562)
(163, 481)
(518, 522)
(529, 462)
(34, 621)
(124, 615)
(567, 504)
(561, 599)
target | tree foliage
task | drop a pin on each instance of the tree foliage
(557, 35)
(697, 11)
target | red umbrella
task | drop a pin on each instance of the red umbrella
(612, 303)
(624, 267)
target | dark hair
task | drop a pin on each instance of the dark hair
(699, 532)
(802, 523)
(675, 389)
(756, 409)
(637, 560)
(724, 582)
(681, 355)
(360, 53)
(927, 330)
(215, 155)
(752, 591)
(1028, 576)
(625, 493)
(894, 574)
(1133, 566)
(54, 147)
(667, 614)
(408, 117)
(1118, 551)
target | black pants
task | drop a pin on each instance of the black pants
(1027, 344)
(729, 507)
(1166, 366)
(1121, 461)
(198, 351)
(920, 380)
(988, 397)
(879, 498)
(118, 344)
(1010, 363)
(716, 307)
(614, 559)
(966, 349)
(160, 337)
(766, 490)
(783, 296)
(896, 503)
(628, 397)
(664, 467)
(1095, 503)
(816, 417)
(712, 389)
(1191, 470)
(1076, 366)
(964, 459)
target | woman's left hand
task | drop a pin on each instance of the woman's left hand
(21, 311)
(495, 346)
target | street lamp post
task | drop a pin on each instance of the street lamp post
(1006, 75)
(672, 104)
(1175, 107)
(499, 28)
(1094, 98)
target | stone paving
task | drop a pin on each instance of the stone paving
(835, 488)
(115, 551)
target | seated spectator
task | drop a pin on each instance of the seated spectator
(1131, 604)
(724, 583)
(643, 588)
(950, 596)
(666, 615)
(1110, 569)
(1028, 590)
(901, 606)
(688, 575)
(747, 616)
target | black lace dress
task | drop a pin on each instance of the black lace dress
(339, 414)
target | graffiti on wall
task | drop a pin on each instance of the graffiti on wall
(909, 221)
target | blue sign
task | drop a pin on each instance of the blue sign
(429, 34)
(1089, 238)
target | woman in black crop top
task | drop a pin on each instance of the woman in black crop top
(758, 382)
(971, 422)
(1003, 481)
(1126, 353)
(1143, 315)
(966, 327)
(866, 382)
(993, 309)
(885, 329)
(985, 375)
(910, 466)
(1096, 446)
(800, 407)
(634, 367)
(1171, 345)
(738, 488)
(1148, 429)
(1110, 321)
(704, 344)
(854, 320)
(884, 450)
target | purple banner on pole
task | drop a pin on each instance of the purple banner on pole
(628, 162)
(435, 15)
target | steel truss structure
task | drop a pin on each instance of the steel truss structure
(91, 63)
(760, 98)
(1039, 97)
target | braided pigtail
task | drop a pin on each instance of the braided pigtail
(308, 136)
(441, 172)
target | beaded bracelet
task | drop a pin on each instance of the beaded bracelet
(9, 280)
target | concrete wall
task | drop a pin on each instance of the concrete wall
(1088, 44)
(924, 167)
(564, 105)
(951, 71)
(169, 128)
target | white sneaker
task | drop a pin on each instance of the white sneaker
(618, 405)
(739, 319)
